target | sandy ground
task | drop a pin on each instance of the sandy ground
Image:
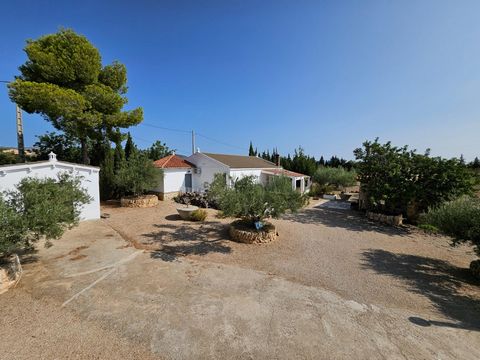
(327, 247)
(332, 286)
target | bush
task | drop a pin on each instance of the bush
(198, 215)
(253, 202)
(136, 176)
(7, 158)
(396, 179)
(459, 218)
(330, 177)
(39, 208)
(12, 228)
(195, 198)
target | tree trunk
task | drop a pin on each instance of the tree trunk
(85, 158)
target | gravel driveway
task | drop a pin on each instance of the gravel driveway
(332, 286)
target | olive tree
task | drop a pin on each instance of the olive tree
(253, 202)
(39, 208)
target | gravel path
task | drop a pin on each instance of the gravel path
(329, 247)
(332, 286)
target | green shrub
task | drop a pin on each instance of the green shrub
(39, 208)
(136, 176)
(198, 215)
(396, 178)
(337, 178)
(7, 158)
(253, 202)
(12, 229)
(459, 218)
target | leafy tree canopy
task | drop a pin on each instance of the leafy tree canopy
(64, 80)
(252, 201)
(158, 150)
(66, 147)
(39, 208)
(396, 178)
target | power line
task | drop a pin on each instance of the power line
(220, 142)
(189, 132)
(165, 128)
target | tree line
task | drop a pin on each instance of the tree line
(301, 162)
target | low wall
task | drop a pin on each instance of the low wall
(395, 220)
(143, 201)
(166, 196)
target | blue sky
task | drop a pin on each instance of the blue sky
(325, 75)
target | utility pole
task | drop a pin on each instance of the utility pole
(193, 142)
(20, 142)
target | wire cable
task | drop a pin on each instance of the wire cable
(165, 128)
(220, 142)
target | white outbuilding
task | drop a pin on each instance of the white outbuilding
(177, 176)
(11, 175)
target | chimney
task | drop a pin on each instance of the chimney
(277, 160)
(52, 157)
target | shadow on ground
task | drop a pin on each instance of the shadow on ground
(444, 284)
(343, 218)
(173, 241)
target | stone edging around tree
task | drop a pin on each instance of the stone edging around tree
(394, 220)
(143, 201)
(242, 233)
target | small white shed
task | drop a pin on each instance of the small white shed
(177, 176)
(11, 175)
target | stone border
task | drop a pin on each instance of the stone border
(240, 233)
(394, 220)
(143, 201)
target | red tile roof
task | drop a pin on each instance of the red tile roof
(172, 161)
(284, 172)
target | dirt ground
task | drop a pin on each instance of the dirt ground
(332, 286)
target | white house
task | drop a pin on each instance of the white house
(194, 173)
(11, 175)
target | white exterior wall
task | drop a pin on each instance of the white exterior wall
(13, 174)
(237, 174)
(174, 180)
(208, 168)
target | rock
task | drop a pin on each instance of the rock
(185, 212)
(475, 268)
(394, 220)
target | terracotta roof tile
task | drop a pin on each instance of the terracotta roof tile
(172, 161)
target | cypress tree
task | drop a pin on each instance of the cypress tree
(129, 147)
(251, 152)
